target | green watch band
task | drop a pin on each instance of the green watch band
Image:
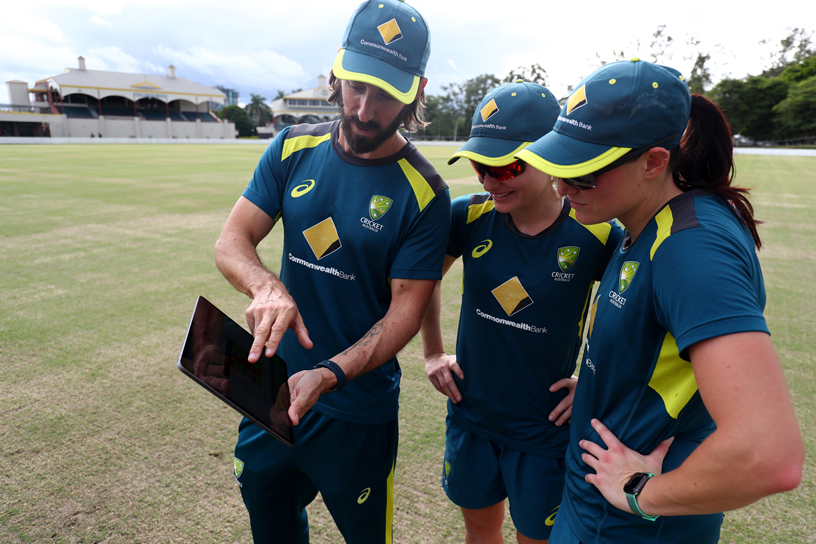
(633, 488)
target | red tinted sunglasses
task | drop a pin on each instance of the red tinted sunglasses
(500, 173)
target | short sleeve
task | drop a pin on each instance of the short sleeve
(459, 213)
(423, 252)
(266, 188)
(706, 284)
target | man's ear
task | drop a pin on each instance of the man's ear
(657, 159)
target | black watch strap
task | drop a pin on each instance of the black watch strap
(338, 373)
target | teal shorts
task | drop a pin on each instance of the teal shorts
(478, 473)
(351, 464)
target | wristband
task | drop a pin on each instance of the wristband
(633, 488)
(337, 371)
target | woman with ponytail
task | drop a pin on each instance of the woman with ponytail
(681, 411)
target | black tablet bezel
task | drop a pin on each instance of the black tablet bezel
(233, 339)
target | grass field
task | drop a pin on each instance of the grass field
(103, 249)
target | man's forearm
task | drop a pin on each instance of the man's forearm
(238, 261)
(389, 335)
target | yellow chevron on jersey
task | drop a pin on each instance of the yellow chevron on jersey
(673, 378)
(293, 145)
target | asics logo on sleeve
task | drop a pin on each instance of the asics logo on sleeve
(303, 188)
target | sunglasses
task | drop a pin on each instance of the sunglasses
(590, 181)
(500, 173)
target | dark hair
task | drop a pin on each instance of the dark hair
(412, 115)
(706, 160)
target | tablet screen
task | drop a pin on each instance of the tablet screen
(214, 355)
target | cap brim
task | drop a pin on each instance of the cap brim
(489, 151)
(565, 157)
(354, 66)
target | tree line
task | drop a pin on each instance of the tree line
(778, 105)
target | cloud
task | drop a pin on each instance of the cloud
(100, 21)
(113, 59)
(261, 69)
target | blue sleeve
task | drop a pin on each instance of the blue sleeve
(707, 285)
(266, 188)
(459, 213)
(423, 252)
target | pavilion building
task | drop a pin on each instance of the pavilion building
(309, 106)
(82, 103)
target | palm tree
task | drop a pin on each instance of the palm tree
(257, 110)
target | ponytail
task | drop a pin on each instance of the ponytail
(706, 160)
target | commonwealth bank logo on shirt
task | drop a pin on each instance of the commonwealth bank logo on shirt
(567, 257)
(512, 297)
(390, 31)
(626, 277)
(323, 238)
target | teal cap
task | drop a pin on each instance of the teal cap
(508, 119)
(387, 44)
(621, 106)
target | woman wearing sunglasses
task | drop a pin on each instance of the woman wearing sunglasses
(682, 411)
(529, 267)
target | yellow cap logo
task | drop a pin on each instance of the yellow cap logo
(390, 31)
(489, 110)
(577, 99)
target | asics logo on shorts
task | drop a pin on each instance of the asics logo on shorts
(550, 521)
(364, 495)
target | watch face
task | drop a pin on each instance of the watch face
(636, 483)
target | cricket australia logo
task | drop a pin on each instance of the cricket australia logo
(627, 275)
(390, 31)
(378, 206)
(567, 256)
(237, 469)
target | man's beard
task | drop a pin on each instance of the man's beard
(361, 145)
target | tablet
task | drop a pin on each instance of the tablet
(214, 355)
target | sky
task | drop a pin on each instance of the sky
(262, 47)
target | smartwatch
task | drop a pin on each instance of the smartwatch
(337, 371)
(633, 488)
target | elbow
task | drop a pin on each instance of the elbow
(783, 472)
(220, 251)
(788, 475)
